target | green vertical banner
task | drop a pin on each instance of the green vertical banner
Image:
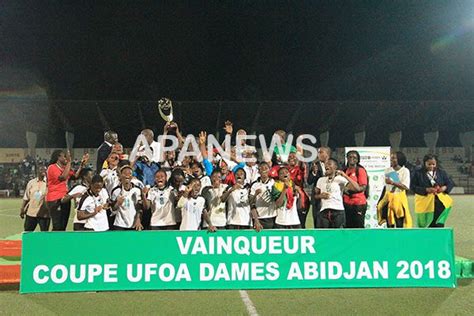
(272, 259)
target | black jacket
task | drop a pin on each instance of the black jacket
(103, 152)
(313, 179)
(420, 181)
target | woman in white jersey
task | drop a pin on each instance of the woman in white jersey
(110, 174)
(193, 208)
(176, 181)
(93, 206)
(238, 203)
(126, 202)
(76, 194)
(162, 199)
(285, 194)
(329, 190)
(213, 195)
(393, 208)
(198, 173)
(263, 206)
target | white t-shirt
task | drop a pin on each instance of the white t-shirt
(251, 174)
(125, 216)
(111, 179)
(238, 208)
(264, 203)
(80, 188)
(215, 207)
(287, 217)
(162, 206)
(335, 188)
(191, 209)
(403, 175)
(98, 222)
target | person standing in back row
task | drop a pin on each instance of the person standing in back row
(58, 174)
(392, 208)
(104, 150)
(329, 190)
(317, 170)
(34, 209)
(355, 202)
(431, 185)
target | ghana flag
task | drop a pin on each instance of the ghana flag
(425, 206)
(277, 190)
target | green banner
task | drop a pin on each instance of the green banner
(271, 259)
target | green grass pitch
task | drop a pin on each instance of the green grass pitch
(409, 301)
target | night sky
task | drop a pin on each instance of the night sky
(74, 59)
(244, 50)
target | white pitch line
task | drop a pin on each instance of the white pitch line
(9, 215)
(7, 210)
(248, 303)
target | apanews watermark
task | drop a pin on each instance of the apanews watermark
(303, 146)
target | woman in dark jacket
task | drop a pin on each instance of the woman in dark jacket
(431, 186)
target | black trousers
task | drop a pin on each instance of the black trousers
(398, 221)
(277, 226)
(111, 219)
(146, 219)
(331, 219)
(316, 207)
(355, 215)
(78, 227)
(302, 214)
(31, 223)
(169, 227)
(238, 227)
(59, 213)
(439, 208)
(267, 223)
(118, 228)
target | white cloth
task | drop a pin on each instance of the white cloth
(263, 202)
(335, 188)
(162, 206)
